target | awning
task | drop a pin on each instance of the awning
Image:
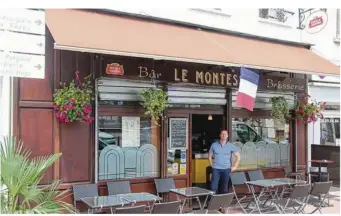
(86, 31)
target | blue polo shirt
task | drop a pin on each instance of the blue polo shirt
(222, 154)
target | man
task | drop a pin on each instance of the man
(222, 151)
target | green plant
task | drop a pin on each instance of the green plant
(279, 108)
(20, 176)
(73, 101)
(154, 101)
(308, 111)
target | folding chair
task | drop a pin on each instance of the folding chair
(166, 208)
(82, 191)
(289, 173)
(238, 179)
(318, 194)
(217, 202)
(119, 187)
(131, 210)
(255, 175)
(296, 201)
(163, 186)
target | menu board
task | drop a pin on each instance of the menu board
(178, 133)
(130, 131)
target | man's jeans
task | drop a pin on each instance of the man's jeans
(221, 176)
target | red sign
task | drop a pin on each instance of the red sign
(316, 22)
(114, 69)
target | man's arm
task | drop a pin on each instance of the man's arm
(236, 164)
(210, 155)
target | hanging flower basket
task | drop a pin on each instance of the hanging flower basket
(279, 109)
(155, 102)
(308, 111)
(73, 101)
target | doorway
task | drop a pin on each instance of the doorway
(205, 131)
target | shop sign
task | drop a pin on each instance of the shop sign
(200, 75)
(114, 69)
(316, 22)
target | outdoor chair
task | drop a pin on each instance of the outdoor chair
(119, 187)
(255, 175)
(238, 179)
(318, 194)
(131, 210)
(296, 201)
(163, 186)
(82, 191)
(290, 174)
(217, 202)
(166, 208)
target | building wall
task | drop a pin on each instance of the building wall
(5, 106)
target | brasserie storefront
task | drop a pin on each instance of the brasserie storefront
(201, 80)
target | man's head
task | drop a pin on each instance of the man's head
(224, 135)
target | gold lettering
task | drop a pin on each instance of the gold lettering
(228, 79)
(301, 87)
(184, 75)
(176, 78)
(279, 85)
(143, 71)
(152, 74)
(222, 78)
(235, 78)
(270, 83)
(199, 75)
(208, 78)
(215, 79)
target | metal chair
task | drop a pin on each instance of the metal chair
(119, 187)
(238, 179)
(255, 175)
(166, 208)
(82, 191)
(163, 186)
(289, 173)
(297, 200)
(216, 203)
(318, 194)
(131, 210)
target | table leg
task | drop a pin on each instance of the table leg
(205, 202)
(255, 198)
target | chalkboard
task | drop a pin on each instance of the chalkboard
(178, 133)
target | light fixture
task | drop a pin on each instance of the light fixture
(210, 117)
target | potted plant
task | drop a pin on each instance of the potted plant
(279, 109)
(73, 102)
(308, 111)
(20, 177)
(155, 101)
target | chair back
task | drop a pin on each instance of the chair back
(85, 190)
(255, 175)
(300, 191)
(287, 170)
(131, 210)
(166, 208)
(238, 178)
(321, 188)
(220, 201)
(119, 187)
(164, 185)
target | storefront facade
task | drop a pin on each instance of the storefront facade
(124, 144)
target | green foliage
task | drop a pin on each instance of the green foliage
(20, 176)
(279, 109)
(73, 101)
(154, 101)
(308, 111)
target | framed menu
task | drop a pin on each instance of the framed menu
(178, 133)
(130, 131)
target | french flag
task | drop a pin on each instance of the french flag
(247, 89)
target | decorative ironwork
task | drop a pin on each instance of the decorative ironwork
(301, 16)
(279, 14)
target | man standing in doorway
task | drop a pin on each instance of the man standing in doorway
(222, 151)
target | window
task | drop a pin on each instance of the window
(277, 14)
(330, 131)
(128, 147)
(261, 142)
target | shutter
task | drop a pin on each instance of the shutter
(195, 95)
(263, 99)
(120, 89)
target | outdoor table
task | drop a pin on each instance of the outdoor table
(140, 197)
(267, 185)
(320, 162)
(192, 192)
(100, 202)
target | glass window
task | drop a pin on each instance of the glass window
(128, 147)
(261, 142)
(330, 131)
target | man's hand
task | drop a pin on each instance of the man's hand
(233, 169)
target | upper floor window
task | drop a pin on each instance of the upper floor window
(277, 14)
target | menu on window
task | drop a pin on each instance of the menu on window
(130, 131)
(178, 134)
